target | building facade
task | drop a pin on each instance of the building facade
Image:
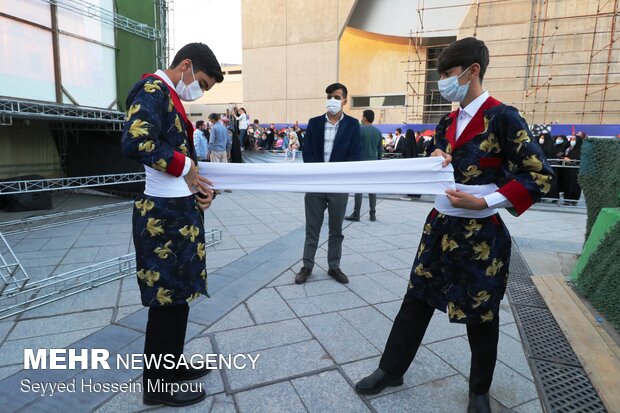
(556, 60)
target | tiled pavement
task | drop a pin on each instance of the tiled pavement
(315, 341)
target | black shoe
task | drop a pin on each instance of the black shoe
(373, 217)
(377, 381)
(338, 275)
(177, 399)
(302, 275)
(353, 217)
(479, 403)
(190, 374)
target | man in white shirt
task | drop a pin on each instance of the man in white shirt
(398, 141)
(200, 141)
(331, 137)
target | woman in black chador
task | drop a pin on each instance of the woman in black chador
(568, 177)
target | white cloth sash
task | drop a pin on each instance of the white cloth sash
(397, 176)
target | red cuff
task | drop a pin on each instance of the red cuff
(175, 167)
(518, 195)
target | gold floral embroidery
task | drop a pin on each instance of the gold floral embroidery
(165, 251)
(190, 232)
(153, 228)
(144, 206)
(163, 296)
(133, 109)
(448, 244)
(139, 128)
(149, 277)
(482, 251)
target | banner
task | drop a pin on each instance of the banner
(396, 176)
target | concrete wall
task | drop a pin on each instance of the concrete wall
(221, 97)
(290, 54)
(543, 70)
(292, 49)
(372, 64)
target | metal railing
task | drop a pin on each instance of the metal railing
(17, 299)
(63, 218)
(17, 108)
(107, 17)
(38, 185)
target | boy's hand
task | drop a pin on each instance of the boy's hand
(447, 158)
(464, 200)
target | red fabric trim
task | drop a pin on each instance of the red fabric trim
(433, 213)
(179, 108)
(491, 162)
(518, 195)
(451, 131)
(494, 219)
(475, 126)
(177, 164)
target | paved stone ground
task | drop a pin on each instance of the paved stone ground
(315, 341)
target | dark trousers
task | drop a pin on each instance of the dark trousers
(372, 201)
(165, 334)
(406, 336)
(315, 205)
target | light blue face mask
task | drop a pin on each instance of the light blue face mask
(451, 90)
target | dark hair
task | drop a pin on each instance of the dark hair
(256, 121)
(214, 117)
(199, 123)
(399, 130)
(369, 115)
(464, 53)
(243, 109)
(202, 59)
(410, 134)
(335, 86)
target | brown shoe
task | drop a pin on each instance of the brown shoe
(338, 275)
(302, 275)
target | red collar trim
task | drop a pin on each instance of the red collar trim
(474, 127)
(179, 108)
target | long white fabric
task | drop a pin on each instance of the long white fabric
(397, 176)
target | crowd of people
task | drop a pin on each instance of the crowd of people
(249, 136)
(568, 150)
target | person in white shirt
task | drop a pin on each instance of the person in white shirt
(200, 141)
(168, 228)
(293, 146)
(462, 261)
(330, 137)
(243, 126)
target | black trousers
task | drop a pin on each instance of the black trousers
(406, 336)
(165, 334)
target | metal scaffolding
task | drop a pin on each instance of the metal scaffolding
(558, 39)
(107, 17)
(19, 226)
(20, 187)
(12, 274)
(18, 296)
(17, 108)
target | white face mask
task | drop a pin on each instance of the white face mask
(451, 90)
(333, 106)
(189, 92)
(541, 141)
(573, 143)
(559, 141)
